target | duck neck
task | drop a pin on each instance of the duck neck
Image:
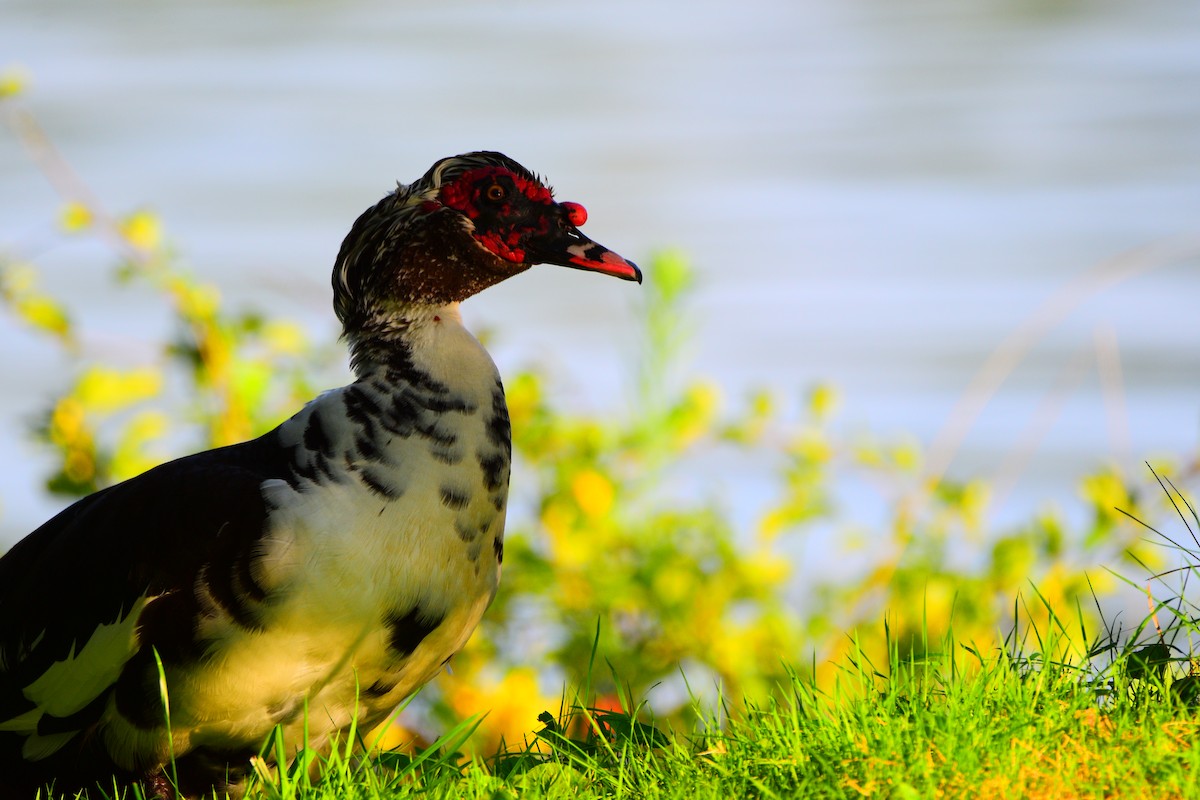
(394, 340)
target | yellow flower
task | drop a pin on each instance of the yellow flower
(730, 653)
(18, 285)
(593, 492)
(106, 390)
(811, 445)
(823, 401)
(196, 302)
(392, 735)
(906, 456)
(574, 590)
(142, 230)
(44, 314)
(673, 583)
(511, 704)
(868, 454)
(1107, 493)
(284, 337)
(67, 421)
(765, 568)
(938, 602)
(75, 217)
(12, 82)
(524, 395)
(556, 519)
(773, 523)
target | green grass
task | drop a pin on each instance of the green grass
(952, 723)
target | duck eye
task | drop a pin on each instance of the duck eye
(495, 193)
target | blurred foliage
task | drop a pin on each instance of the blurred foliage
(240, 373)
(628, 525)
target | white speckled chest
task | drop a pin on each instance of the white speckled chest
(379, 559)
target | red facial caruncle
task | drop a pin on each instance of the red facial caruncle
(464, 194)
(506, 247)
(576, 213)
(506, 207)
(515, 217)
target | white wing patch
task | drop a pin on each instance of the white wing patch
(69, 685)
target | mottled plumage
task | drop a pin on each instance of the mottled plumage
(324, 570)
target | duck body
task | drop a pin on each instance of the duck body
(311, 578)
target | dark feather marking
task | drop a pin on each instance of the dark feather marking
(367, 449)
(439, 405)
(447, 455)
(378, 485)
(438, 435)
(403, 415)
(409, 629)
(495, 470)
(137, 692)
(402, 371)
(498, 428)
(360, 406)
(304, 469)
(454, 497)
(325, 468)
(499, 431)
(316, 438)
(498, 547)
(428, 384)
(221, 577)
(465, 531)
(378, 689)
(370, 428)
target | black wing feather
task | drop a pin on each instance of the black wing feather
(89, 565)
